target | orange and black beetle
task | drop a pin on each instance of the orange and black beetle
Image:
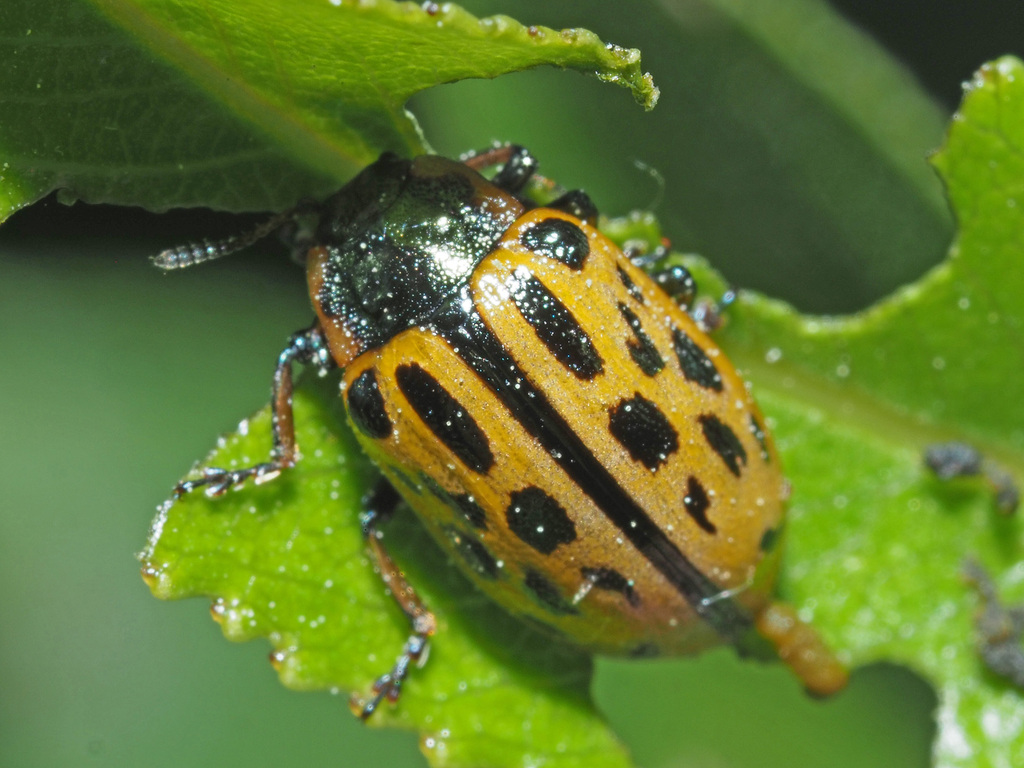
(551, 412)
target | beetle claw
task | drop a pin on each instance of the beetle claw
(389, 686)
(216, 482)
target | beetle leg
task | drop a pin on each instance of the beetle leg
(380, 506)
(517, 169)
(674, 279)
(709, 315)
(643, 255)
(308, 347)
(577, 203)
(678, 283)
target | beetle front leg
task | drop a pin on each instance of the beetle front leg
(517, 166)
(380, 506)
(307, 347)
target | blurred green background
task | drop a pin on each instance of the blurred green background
(115, 378)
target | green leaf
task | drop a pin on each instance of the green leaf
(791, 146)
(877, 544)
(166, 103)
(875, 548)
(286, 561)
(180, 103)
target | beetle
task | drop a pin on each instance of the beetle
(549, 409)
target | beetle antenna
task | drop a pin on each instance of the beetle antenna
(659, 180)
(191, 254)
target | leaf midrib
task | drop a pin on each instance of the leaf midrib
(310, 148)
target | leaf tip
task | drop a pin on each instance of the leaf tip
(627, 73)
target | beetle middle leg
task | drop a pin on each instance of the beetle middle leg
(677, 282)
(380, 506)
(307, 347)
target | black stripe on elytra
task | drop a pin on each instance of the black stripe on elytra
(473, 552)
(558, 239)
(366, 405)
(724, 442)
(445, 416)
(643, 430)
(641, 348)
(470, 510)
(547, 593)
(539, 520)
(697, 366)
(630, 286)
(555, 325)
(757, 430)
(484, 353)
(613, 581)
(461, 502)
(697, 503)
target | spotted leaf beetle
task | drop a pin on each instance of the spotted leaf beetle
(559, 422)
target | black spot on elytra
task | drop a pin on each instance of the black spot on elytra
(630, 286)
(557, 328)
(697, 503)
(613, 581)
(696, 365)
(558, 239)
(757, 430)
(473, 552)
(446, 417)
(724, 442)
(366, 406)
(643, 430)
(577, 203)
(539, 520)
(769, 539)
(641, 348)
(548, 594)
(461, 502)
(529, 405)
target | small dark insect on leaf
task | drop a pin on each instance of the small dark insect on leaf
(955, 459)
(998, 627)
